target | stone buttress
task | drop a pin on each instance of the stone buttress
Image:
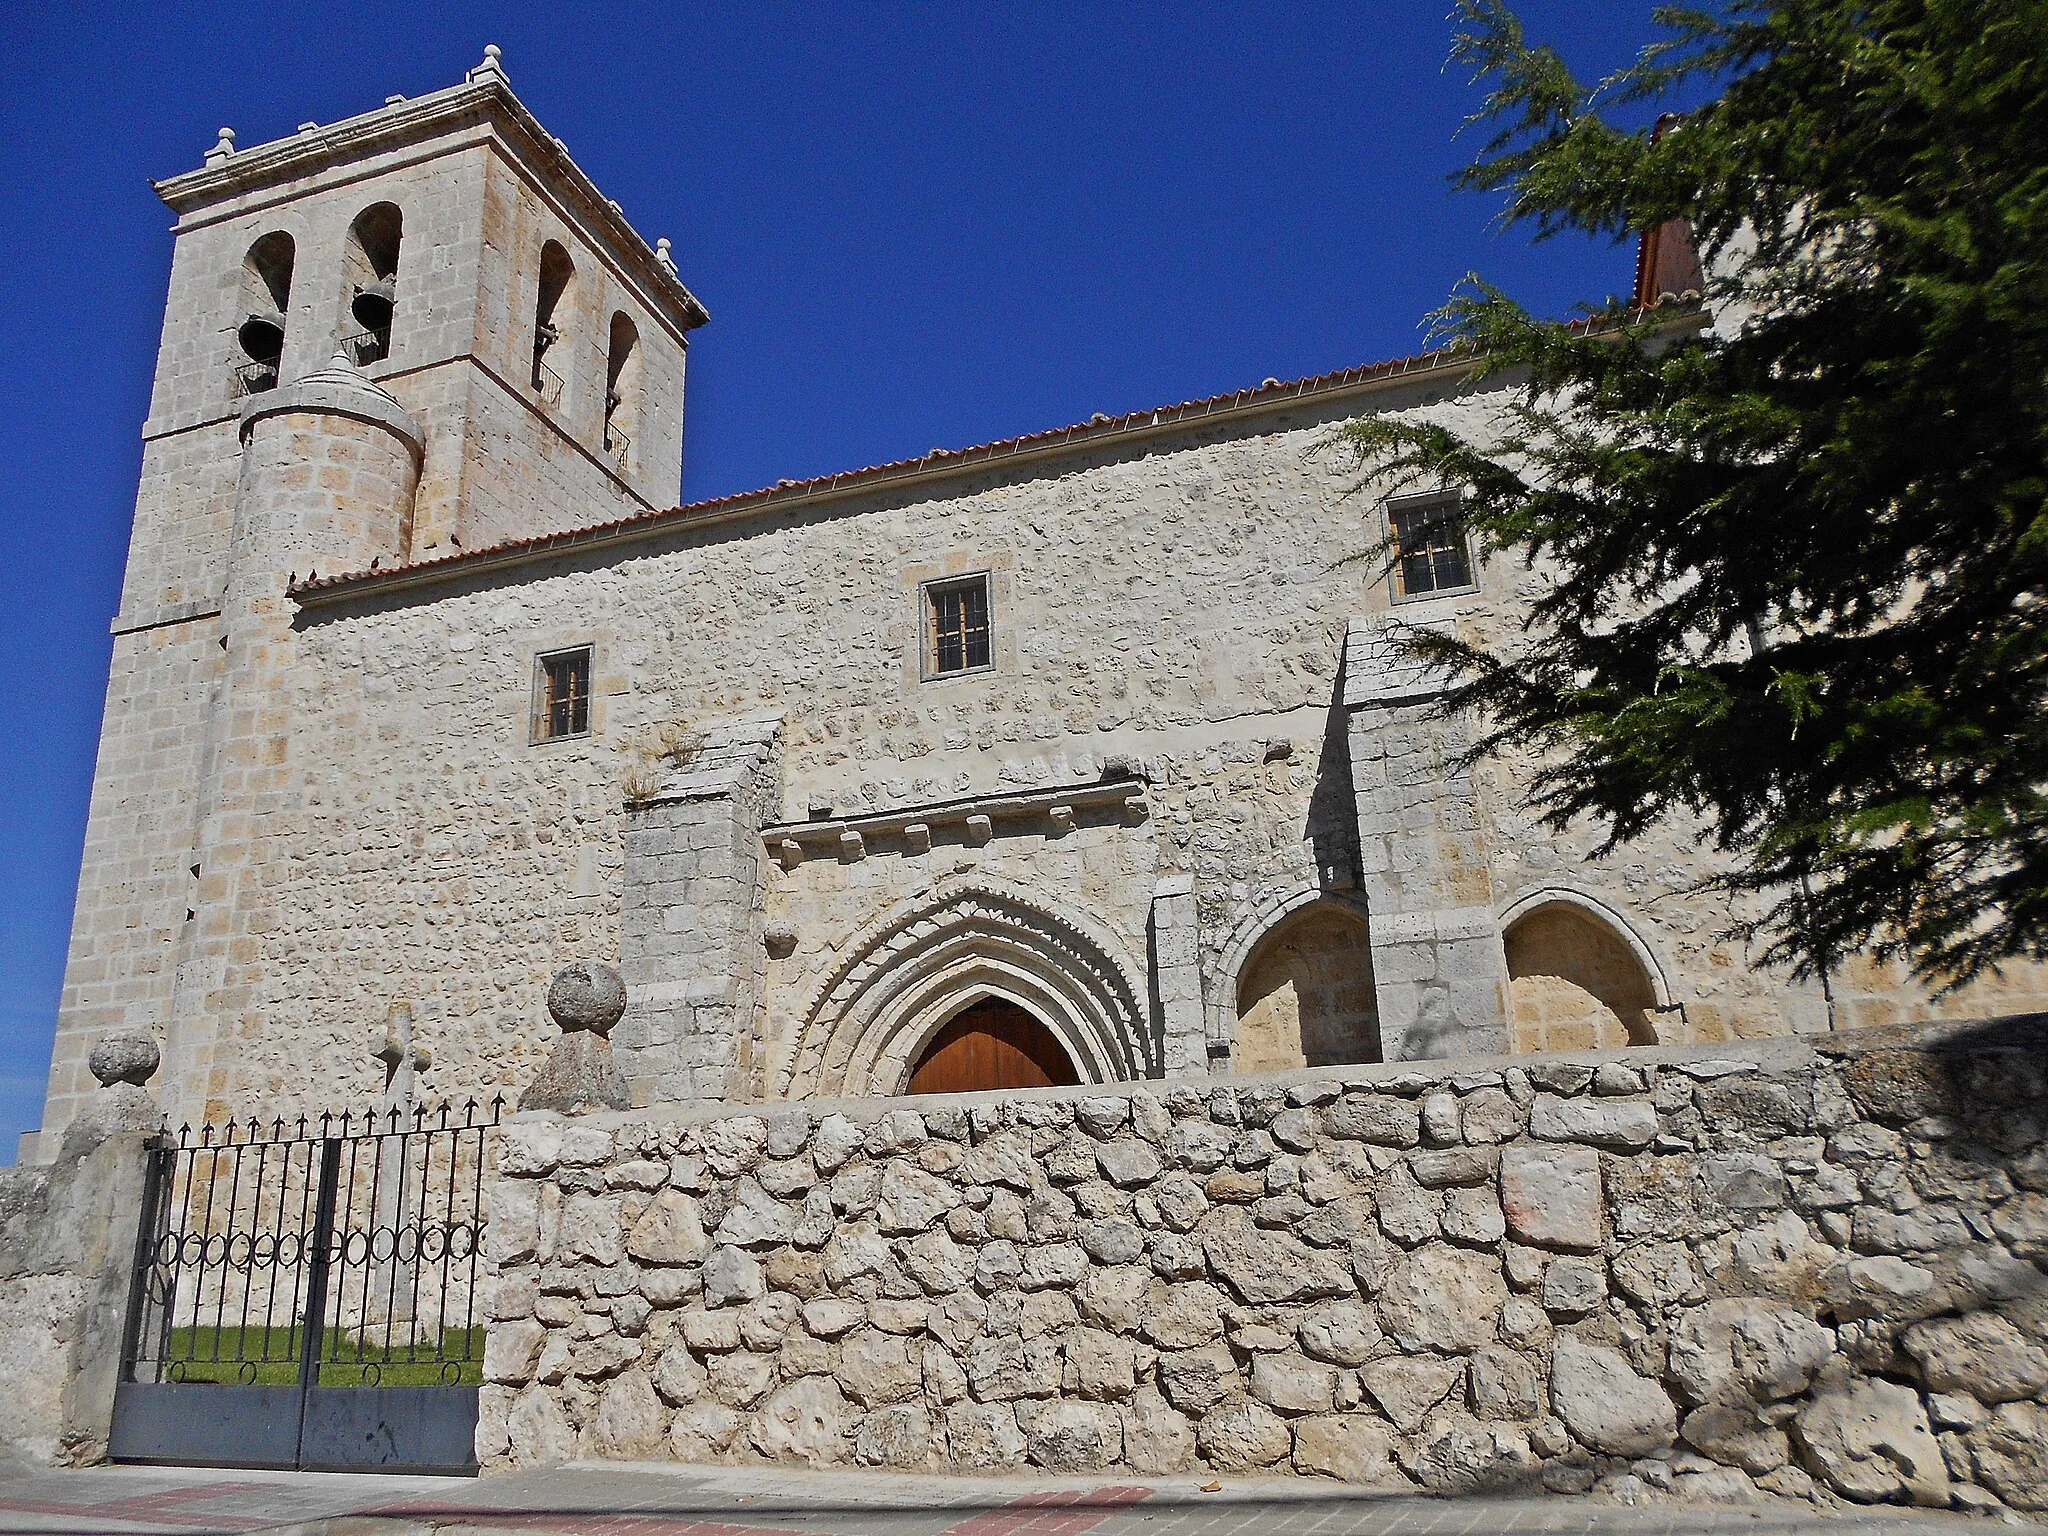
(691, 921)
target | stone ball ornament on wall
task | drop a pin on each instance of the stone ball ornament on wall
(126, 1056)
(124, 1062)
(586, 999)
(586, 995)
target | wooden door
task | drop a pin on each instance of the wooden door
(993, 1044)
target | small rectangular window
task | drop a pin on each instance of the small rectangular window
(1429, 549)
(957, 626)
(561, 695)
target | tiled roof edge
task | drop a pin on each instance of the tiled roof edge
(936, 464)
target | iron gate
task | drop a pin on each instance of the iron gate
(305, 1295)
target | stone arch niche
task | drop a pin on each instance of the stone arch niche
(915, 968)
(1306, 994)
(551, 307)
(1578, 979)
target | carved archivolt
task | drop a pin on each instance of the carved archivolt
(921, 962)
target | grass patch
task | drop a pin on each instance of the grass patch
(268, 1357)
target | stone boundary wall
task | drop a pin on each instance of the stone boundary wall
(67, 1257)
(1811, 1267)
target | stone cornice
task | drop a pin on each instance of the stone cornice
(792, 841)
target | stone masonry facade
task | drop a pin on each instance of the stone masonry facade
(1195, 767)
(1810, 1268)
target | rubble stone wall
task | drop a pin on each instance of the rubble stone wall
(1808, 1266)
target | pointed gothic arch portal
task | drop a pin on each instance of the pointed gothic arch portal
(916, 969)
(992, 1044)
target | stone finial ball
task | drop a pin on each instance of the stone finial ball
(586, 994)
(128, 1056)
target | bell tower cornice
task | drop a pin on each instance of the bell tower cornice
(234, 178)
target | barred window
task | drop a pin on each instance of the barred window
(1429, 549)
(561, 695)
(957, 626)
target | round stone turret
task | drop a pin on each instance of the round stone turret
(330, 463)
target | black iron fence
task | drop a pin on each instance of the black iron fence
(338, 1252)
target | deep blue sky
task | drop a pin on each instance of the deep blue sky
(914, 225)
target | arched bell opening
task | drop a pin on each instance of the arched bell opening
(993, 1042)
(621, 388)
(370, 282)
(265, 301)
(1575, 983)
(1305, 994)
(550, 312)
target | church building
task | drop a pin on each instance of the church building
(1088, 755)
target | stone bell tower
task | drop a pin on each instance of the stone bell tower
(450, 248)
(386, 340)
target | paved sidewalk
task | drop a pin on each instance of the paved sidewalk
(668, 1500)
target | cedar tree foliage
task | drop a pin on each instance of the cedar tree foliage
(1793, 537)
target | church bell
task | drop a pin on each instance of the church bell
(372, 305)
(262, 335)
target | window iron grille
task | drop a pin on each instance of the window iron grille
(1429, 549)
(960, 629)
(562, 696)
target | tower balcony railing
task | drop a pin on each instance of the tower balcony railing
(616, 443)
(255, 377)
(366, 347)
(547, 384)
